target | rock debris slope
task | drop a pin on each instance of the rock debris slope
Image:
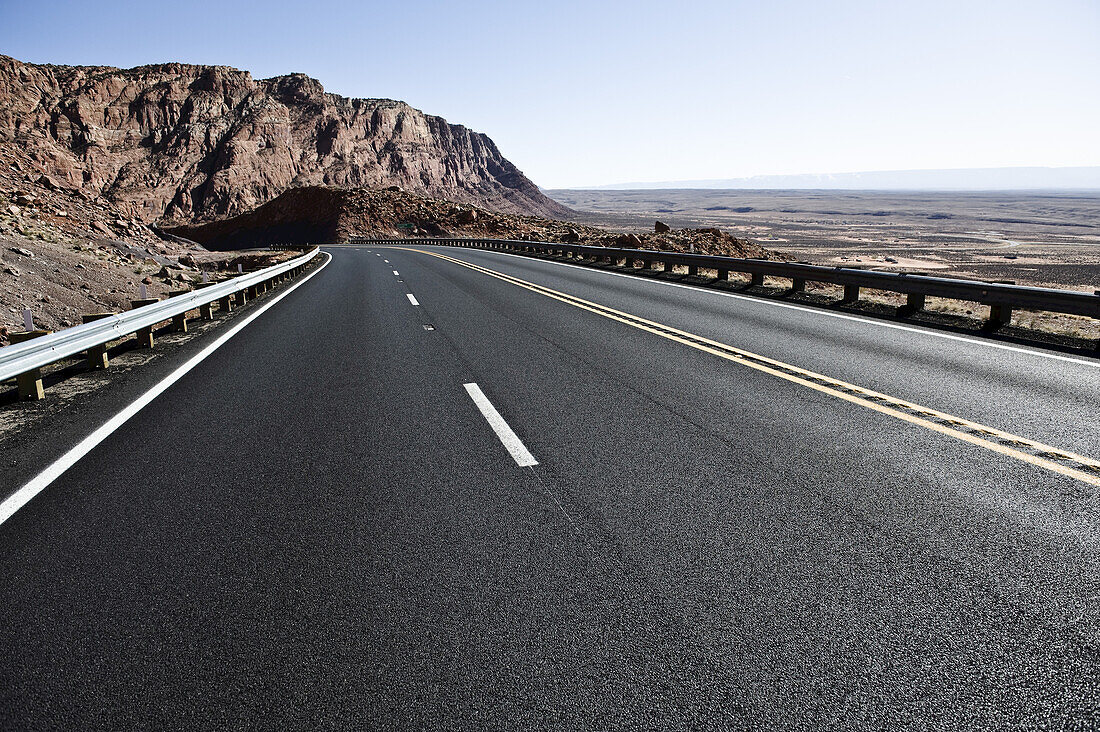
(324, 215)
(177, 143)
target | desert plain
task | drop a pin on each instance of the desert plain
(1043, 238)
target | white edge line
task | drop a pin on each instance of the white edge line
(816, 311)
(411, 298)
(510, 439)
(38, 483)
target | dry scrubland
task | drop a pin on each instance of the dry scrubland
(1046, 239)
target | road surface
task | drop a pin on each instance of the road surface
(446, 488)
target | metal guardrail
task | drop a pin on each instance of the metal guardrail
(1001, 298)
(25, 357)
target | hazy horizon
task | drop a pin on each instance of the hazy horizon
(1035, 178)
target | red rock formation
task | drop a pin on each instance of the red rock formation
(178, 143)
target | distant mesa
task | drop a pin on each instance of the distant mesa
(177, 143)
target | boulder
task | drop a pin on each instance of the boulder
(661, 228)
(47, 182)
(22, 252)
(629, 241)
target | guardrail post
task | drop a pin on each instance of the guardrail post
(723, 275)
(29, 383)
(97, 355)
(179, 322)
(798, 284)
(999, 315)
(851, 293)
(206, 310)
(144, 335)
(225, 304)
(693, 270)
(914, 302)
(756, 279)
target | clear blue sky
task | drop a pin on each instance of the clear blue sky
(586, 93)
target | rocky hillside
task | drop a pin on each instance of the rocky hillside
(178, 143)
(324, 215)
(64, 253)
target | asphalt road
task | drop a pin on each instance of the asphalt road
(317, 527)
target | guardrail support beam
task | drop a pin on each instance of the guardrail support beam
(144, 335)
(999, 315)
(206, 310)
(179, 322)
(96, 355)
(29, 383)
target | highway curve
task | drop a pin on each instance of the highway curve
(691, 509)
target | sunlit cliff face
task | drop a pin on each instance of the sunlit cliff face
(177, 142)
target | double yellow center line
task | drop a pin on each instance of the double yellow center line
(1058, 461)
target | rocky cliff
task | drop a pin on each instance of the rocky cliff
(178, 143)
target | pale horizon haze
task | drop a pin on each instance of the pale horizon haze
(585, 94)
